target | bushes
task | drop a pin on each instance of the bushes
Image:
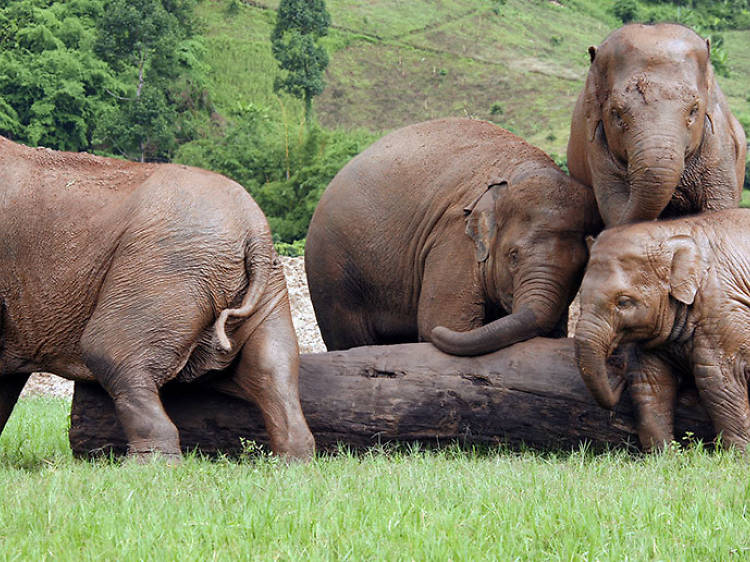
(284, 168)
(626, 10)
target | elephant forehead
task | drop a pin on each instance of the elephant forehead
(607, 278)
(673, 43)
(653, 88)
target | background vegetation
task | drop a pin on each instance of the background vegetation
(197, 82)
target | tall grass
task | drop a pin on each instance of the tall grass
(383, 505)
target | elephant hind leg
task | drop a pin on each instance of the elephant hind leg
(135, 341)
(10, 390)
(343, 326)
(267, 374)
(138, 407)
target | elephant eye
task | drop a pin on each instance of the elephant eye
(693, 113)
(513, 257)
(617, 118)
(624, 302)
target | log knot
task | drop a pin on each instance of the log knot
(473, 378)
(378, 372)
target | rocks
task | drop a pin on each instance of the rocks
(303, 316)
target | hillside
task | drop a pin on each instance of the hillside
(395, 62)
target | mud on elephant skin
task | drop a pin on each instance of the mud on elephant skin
(133, 275)
(652, 132)
(453, 231)
(679, 290)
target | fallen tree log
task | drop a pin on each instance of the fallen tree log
(529, 393)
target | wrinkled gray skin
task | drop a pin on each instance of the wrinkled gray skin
(133, 275)
(453, 231)
(680, 290)
(652, 132)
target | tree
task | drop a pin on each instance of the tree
(147, 42)
(626, 10)
(52, 87)
(294, 42)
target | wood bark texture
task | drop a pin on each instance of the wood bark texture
(530, 393)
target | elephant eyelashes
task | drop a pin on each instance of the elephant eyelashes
(513, 258)
(617, 118)
(693, 114)
(624, 302)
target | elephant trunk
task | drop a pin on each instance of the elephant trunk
(654, 172)
(496, 335)
(592, 346)
(536, 311)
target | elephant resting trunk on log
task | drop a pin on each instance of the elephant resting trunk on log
(529, 393)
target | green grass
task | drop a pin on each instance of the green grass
(682, 505)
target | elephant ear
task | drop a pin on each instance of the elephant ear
(481, 219)
(688, 269)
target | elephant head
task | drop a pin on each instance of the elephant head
(635, 290)
(528, 237)
(647, 104)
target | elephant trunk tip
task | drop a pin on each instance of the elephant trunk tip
(447, 341)
(592, 364)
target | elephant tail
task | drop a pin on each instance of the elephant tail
(257, 265)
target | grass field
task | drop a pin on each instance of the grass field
(416, 505)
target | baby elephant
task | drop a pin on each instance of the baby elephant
(133, 275)
(454, 223)
(681, 290)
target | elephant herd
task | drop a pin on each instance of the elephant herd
(452, 231)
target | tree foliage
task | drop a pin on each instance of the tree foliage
(150, 44)
(294, 42)
(285, 169)
(113, 76)
(626, 10)
(52, 87)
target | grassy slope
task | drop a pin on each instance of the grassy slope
(683, 505)
(395, 62)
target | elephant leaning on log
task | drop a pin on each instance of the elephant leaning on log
(453, 231)
(651, 132)
(678, 291)
(133, 275)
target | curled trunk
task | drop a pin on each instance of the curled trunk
(592, 345)
(496, 335)
(537, 308)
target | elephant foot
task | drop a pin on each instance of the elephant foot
(150, 457)
(299, 446)
(146, 452)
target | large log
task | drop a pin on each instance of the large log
(529, 393)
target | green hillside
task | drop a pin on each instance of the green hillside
(395, 62)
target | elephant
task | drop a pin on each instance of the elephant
(453, 231)
(136, 274)
(651, 132)
(677, 293)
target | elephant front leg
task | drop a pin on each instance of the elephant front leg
(724, 396)
(653, 389)
(267, 373)
(10, 390)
